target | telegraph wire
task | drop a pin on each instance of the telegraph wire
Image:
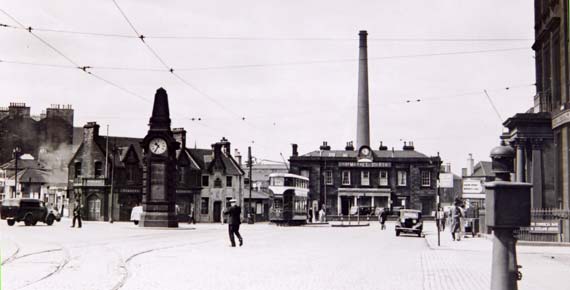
(85, 69)
(205, 68)
(169, 68)
(261, 38)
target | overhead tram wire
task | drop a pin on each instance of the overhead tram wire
(262, 38)
(142, 69)
(77, 65)
(171, 69)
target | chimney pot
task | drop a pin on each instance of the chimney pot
(295, 152)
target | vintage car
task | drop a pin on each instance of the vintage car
(410, 222)
(28, 210)
(136, 214)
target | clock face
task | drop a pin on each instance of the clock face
(157, 146)
(365, 151)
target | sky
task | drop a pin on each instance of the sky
(270, 73)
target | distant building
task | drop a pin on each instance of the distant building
(473, 189)
(207, 178)
(341, 179)
(260, 196)
(35, 135)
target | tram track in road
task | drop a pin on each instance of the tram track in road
(66, 258)
(11, 257)
(126, 274)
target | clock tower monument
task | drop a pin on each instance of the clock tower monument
(159, 168)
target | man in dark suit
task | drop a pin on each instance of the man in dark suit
(234, 220)
(76, 213)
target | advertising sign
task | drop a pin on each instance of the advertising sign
(472, 186)
(446, 180)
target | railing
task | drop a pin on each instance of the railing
(546, 226)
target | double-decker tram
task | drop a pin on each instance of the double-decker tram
(289, 198)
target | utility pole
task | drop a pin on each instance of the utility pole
(249, 163)
(16, 157)
(438, 202)
(114, 151)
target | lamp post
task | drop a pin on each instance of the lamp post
(16, 153)
(438, 201)
(249, 211)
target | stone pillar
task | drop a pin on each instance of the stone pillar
(536, 175)
(520, 172)
(338, 205)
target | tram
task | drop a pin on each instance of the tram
(289, 198)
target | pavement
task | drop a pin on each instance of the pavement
(121, 256)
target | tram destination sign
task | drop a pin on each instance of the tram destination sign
(365, 164)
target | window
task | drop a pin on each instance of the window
(77, 172)
(181, 174)
(365, 178)
(346, 178)
(229, 181)
(383, 177)
(426, 177)
(402, 178)
(305, 173)
(328, 177)
(131, 172)
(98, 169)
(217, 182)
(204, 205)
(205, 180)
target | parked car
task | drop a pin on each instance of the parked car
(136, 214)
(410, 221)
(28, 210)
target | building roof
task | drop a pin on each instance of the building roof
(205, 156)
(377, 153)
(483, 168)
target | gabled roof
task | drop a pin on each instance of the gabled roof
(124, 144)
(204, 158)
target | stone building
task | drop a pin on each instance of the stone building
(34, 134)
(365, 178)
(541, 136)
(369, 179)
(106, 173)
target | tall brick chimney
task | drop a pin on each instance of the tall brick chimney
(362, 117)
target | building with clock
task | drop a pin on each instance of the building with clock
(206, 178)
(366, 178)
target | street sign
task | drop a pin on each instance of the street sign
(446, 180)
(472, 186)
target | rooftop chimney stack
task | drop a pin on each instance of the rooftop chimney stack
(470, 163)
(362, 117)
(295, 151)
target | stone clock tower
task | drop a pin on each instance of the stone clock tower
(159, 169)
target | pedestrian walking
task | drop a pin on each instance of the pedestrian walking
(234, 220)
(191, 215)
(76, 214)
(382, 217)
(456, 220)
(310, 215)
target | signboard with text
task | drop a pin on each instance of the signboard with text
(472, 186)
(364, 164)
(446, 180)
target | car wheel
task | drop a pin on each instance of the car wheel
(28, 220)
(419, 234)
(11, 222)
(49, 220)
(397, 233)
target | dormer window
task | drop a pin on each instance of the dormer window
(98, 169)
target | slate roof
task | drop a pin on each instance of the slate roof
(122, 143)
(205, 156)
(378, 153)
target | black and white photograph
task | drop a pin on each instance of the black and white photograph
(271, 144)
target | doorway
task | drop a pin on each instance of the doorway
(217, 211)
(94, 208)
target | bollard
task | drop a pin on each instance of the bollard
(508, 208)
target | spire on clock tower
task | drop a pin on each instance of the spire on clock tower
(160, 118)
